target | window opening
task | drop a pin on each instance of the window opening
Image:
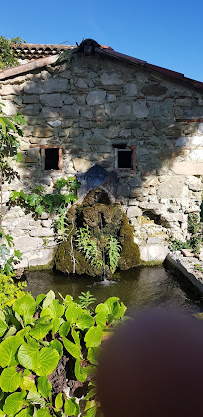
(124, 157)
(51, 158)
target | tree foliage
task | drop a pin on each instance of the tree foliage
(7, 52)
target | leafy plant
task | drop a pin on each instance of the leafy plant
(45, 334)
(7, 51)
(113, 251)
(88, 246)
(9, 290)
(37, 202)
(195, 228)
(8, 254)
(85, 299)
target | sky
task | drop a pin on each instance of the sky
(167, 33)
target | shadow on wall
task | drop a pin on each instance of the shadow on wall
(88, 110)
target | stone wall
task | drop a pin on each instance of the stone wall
(89, 108)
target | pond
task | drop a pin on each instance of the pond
(140, 287)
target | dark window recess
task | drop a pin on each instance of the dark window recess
(52, 158)
(125, 158)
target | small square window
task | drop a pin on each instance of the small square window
(51, 157)
(125, 158)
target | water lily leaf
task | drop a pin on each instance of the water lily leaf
(101, 319)
(25, 307)
(8, 350)
(3, 327)
(40, 331)
(85, 321)
(55, 344)
(48, 361)
(10, 379)
(93, 337)
(73, 349)
(28, 356)
(59, 401)
(93, 354)
(44, 386)
(14, 403)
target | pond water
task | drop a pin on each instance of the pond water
(140, 287)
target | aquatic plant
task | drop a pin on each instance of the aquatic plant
(48, 348)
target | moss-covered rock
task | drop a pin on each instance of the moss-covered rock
(102, 220)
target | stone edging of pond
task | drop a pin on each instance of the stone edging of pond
(191, 268)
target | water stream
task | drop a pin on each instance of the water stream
(139, 287)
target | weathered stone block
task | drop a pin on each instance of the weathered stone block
(80, 164)
(52, 100)
(69, 111)
(140, 109)
(56, 85)
(32, 87)
(123, 110)
(134, 211)
(81, 83)
(153, 253)
(171, 187)
(111, 79)
(130, 89)
(154, 90)
(42, 232)
(42, 132)
(96, 97)
(87, 112)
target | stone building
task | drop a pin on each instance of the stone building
(104, 108)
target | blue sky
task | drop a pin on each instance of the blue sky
(164, 33)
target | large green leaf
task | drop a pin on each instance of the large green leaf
(44, 386)
(113, 305)
(48, 361)
(75, 336)
(101, 308)
(55, 344)
(34, 397)
(85, 321)
(43, 412)
(71, 407)
(10, 379)
(25, 307)
(73, 349)
(26, 382)
(55, 325)
(8, 350)
(40, 330)
(56, 309)
(73, 312)
(93, 337)
(101, 319)
(93, 354)
(48, 299)
(64, 329)
(13, 403)
(91, 412)
(79, 372)
(28, 356)
(59, 401)
(3, 327)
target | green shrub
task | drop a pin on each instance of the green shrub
(44, 343)
(9, 290)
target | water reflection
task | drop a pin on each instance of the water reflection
(137, 288)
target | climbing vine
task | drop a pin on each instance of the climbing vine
(7, 51)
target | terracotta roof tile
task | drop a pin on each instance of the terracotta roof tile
(38, 55)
